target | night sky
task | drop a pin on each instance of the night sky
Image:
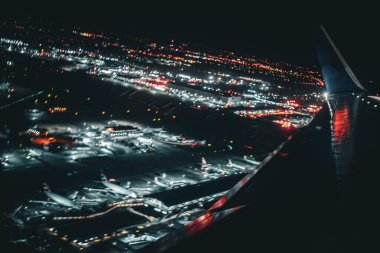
(279, 32)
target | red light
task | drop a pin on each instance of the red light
(45, 141)
(199, 224)
(218, 203)
(341, 124)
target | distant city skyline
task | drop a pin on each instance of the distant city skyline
(282, 41)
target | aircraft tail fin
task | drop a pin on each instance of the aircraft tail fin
(103, 177)
(337, 75)
(204, 165)
(46, 187)
(73, 195)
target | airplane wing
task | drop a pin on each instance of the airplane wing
(88, 202)
(317, 192)
(97, 190)
(44, 202)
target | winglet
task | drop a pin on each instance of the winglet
(337, 75)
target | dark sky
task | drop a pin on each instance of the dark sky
(278, 31)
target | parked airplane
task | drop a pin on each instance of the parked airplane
(204, 165)
(67, 201)
(159, 183)
(212, 172)
(115, 188)
(254, 162)
(234, 165)
(178, 140)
